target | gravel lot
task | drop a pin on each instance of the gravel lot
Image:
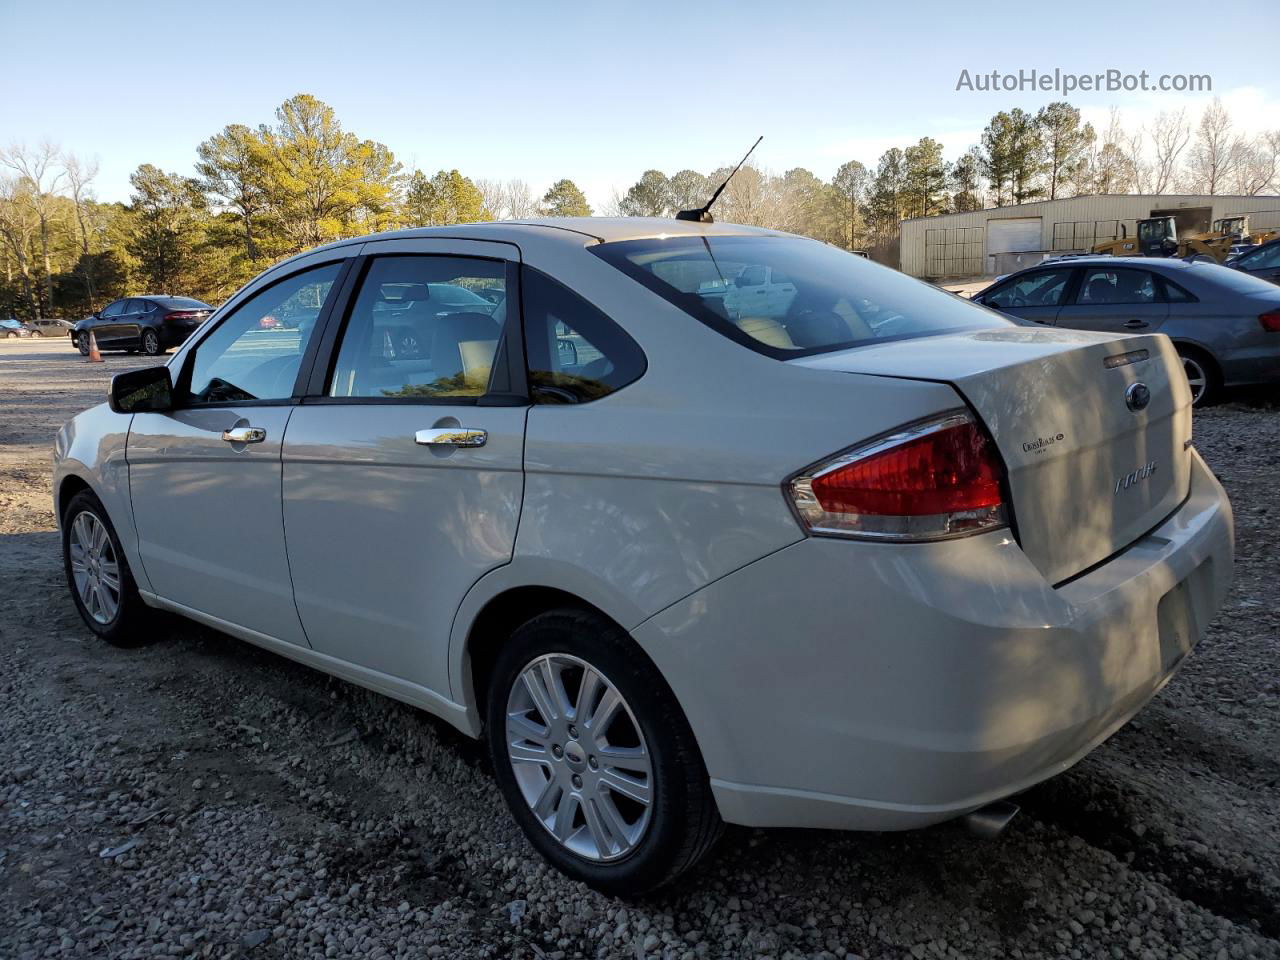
(200, 797)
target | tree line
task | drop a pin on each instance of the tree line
(258, 194)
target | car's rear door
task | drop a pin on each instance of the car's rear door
(205, 478)
(403, 467)
(1116, 300)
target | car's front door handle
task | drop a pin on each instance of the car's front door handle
(244, 435)
(451, 437)
(1135, 324)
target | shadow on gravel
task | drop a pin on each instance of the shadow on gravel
(1105, 817)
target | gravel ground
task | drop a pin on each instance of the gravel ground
(202, 798)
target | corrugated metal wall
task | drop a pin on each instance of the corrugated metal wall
(954, 244)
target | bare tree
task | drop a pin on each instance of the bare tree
(1170, 134)
(18, 226)
(495, 197)
(37, 169)
(521, 203)
(1217, 152)
(1140, 171)
(80, 174)
(1259, 165)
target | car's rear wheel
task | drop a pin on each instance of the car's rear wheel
(36, 333)
(9, 335)
(594, 756)
(98, 574)
(150, 343)
(1202, 376)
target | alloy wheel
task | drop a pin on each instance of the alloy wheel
(150, 343)
(579, 757)
(1197, 378)
(94, 567)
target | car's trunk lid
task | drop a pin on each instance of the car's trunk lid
(1091, 469)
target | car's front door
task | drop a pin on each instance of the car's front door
(1035, 295)
(1116, 300)
(205, 478)
(106, 326)
(403, 472)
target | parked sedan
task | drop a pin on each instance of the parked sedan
(873, 562)
(149, 325)
(1262, 261)
(9, 328)
(1224, 323)
(49, 327)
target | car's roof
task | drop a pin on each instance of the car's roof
(572, 229)
(1147, 263)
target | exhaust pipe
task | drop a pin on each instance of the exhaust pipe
(989, 822)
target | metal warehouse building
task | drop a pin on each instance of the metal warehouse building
(1003, 239)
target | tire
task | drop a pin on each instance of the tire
(150, 343)
(612, 841)
(9, 335)
(90, 550)
(36, 333)
(1202, 376)
(82, 344)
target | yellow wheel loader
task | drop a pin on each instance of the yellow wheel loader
(1158, 237)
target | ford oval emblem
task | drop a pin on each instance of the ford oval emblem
(1137, 396)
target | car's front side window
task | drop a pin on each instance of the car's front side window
(1264, 259)
(1042, 289)
(244, 359)
(114, 309)
(418, 331)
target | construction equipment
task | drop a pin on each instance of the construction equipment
(1158, 237)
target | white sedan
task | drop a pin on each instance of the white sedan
(875, 562)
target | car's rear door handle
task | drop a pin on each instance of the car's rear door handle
(451, 437)
(1135, 324)
(244, 435)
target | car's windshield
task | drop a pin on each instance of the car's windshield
(788, 296)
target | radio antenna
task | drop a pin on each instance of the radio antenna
(703, 214)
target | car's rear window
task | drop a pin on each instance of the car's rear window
(1232, 279)
(181, 303)
(790, 297)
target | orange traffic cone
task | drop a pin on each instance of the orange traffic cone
(95, 356)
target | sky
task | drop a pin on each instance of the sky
(598, 92)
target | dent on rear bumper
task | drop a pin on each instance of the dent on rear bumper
(883, 686)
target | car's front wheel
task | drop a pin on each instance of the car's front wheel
(36, 333)
(82, 344)
(595, 757)
(98, 574)
(150, 343)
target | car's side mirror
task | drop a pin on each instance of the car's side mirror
(149, 390)
(568, 352)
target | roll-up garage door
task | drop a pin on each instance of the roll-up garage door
(1011, 236)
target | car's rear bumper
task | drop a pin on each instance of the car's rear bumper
(885, 686)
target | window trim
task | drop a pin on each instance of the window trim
(182, 383)
(315, 388)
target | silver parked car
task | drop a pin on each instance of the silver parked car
(1224, 323)
(872, 560)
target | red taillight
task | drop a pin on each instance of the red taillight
(183, 315)
(932, 480)
(1270, 321)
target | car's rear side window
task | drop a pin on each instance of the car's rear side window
(819, 299)
(575, 352)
